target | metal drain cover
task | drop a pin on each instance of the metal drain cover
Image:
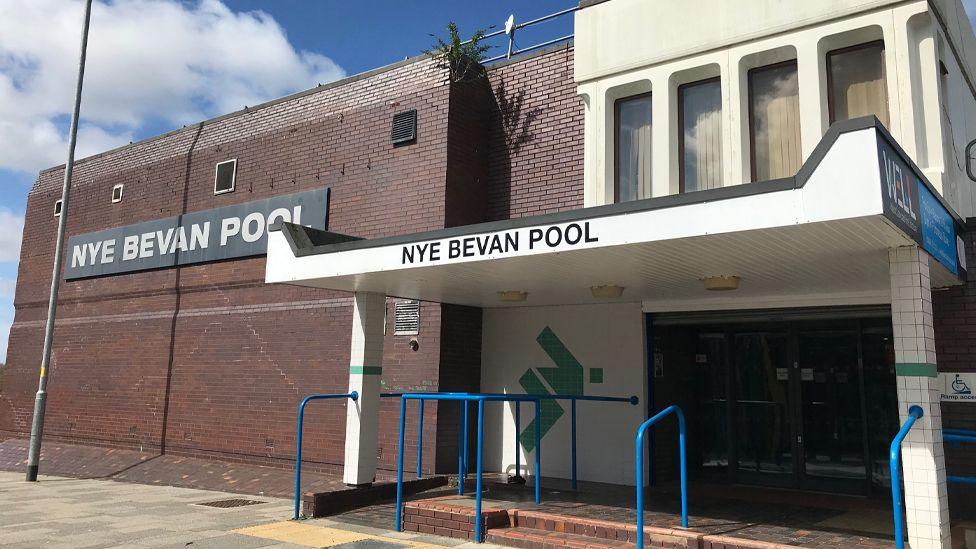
(228, 503)
(369, 544)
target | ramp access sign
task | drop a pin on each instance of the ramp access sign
(957, 386)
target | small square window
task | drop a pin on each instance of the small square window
(57, 208)
(116, 194)
(225, 176)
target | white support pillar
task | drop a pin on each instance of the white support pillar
(365, 368)
(923, 457)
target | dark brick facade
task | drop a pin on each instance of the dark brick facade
(954, 320)
(207, 360)
(535, 161)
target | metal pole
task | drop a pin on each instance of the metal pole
(397, 525)
(518, 445)
(574, 443)
(464, 429)
(684, 466)
(40, 400)
(477, 496)
(461, 436)
(298, 456)
(420, 437)
(538, 451)
(894, 464)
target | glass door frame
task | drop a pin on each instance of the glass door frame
(798, 477)
(826, 484)
(737, 473)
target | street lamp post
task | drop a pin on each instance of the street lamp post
(37, 426)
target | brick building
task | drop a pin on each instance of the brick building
(761, 218)
(158, 344)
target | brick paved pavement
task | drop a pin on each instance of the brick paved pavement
(77, 513)
(79, 461)
(771, 516)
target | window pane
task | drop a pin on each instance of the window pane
(701, 117)
(775, 110)
(857, 85)
(634, 148)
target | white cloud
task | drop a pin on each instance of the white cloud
(149, 61)
(11, 229)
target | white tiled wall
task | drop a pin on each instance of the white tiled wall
(923, 458)
(362, 416)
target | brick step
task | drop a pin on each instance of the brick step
(604, 533)
(537, 530)
(530, 529)
(530, 538)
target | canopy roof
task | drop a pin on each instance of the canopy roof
(825, 231)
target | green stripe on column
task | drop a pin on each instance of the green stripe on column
(917, 369)
(366, 370)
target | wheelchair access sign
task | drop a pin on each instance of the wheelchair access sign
(958, 387)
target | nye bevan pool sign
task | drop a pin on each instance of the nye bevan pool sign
(229, 232)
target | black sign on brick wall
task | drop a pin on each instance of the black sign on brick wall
(229, 232)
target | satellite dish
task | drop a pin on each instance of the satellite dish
(510, 24)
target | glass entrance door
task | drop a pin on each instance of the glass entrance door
(832, 441)
(763, 408)
(796, 404)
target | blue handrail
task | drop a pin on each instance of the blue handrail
(894, 460)
(463, 431)
(954, 437)
(639, 471)
(298, 450)
(633, 400)
(465, 398)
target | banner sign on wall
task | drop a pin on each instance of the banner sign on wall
(913, 207)
(957, 387)
(229, 232)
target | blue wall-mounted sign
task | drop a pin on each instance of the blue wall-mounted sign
(938, 230)
(910, 203)
(239, 230)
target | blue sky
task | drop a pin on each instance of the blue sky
(154, 65)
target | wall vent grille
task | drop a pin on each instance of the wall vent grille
(404, 127)
(406, 318)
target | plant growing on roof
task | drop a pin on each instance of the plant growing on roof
(462, 57)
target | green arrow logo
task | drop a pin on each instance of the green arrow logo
(565, 379)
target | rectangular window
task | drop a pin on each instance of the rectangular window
(774, 121)
(856, 82)
(632, 123)
(116, 194)
(225, 176)
(700, 120)
(57, 208)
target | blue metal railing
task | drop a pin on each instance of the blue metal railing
(633, 400)
(894, 460)
(955, 437)
(298, 444)
(639, 470)
(463, 432)
(465, 398)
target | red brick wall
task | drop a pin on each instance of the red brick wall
(208, 360)
(223, 375)
(954, 319)
(535, 154)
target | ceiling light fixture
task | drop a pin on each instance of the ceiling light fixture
(721, 283)
(608, 291)
(512, 295)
